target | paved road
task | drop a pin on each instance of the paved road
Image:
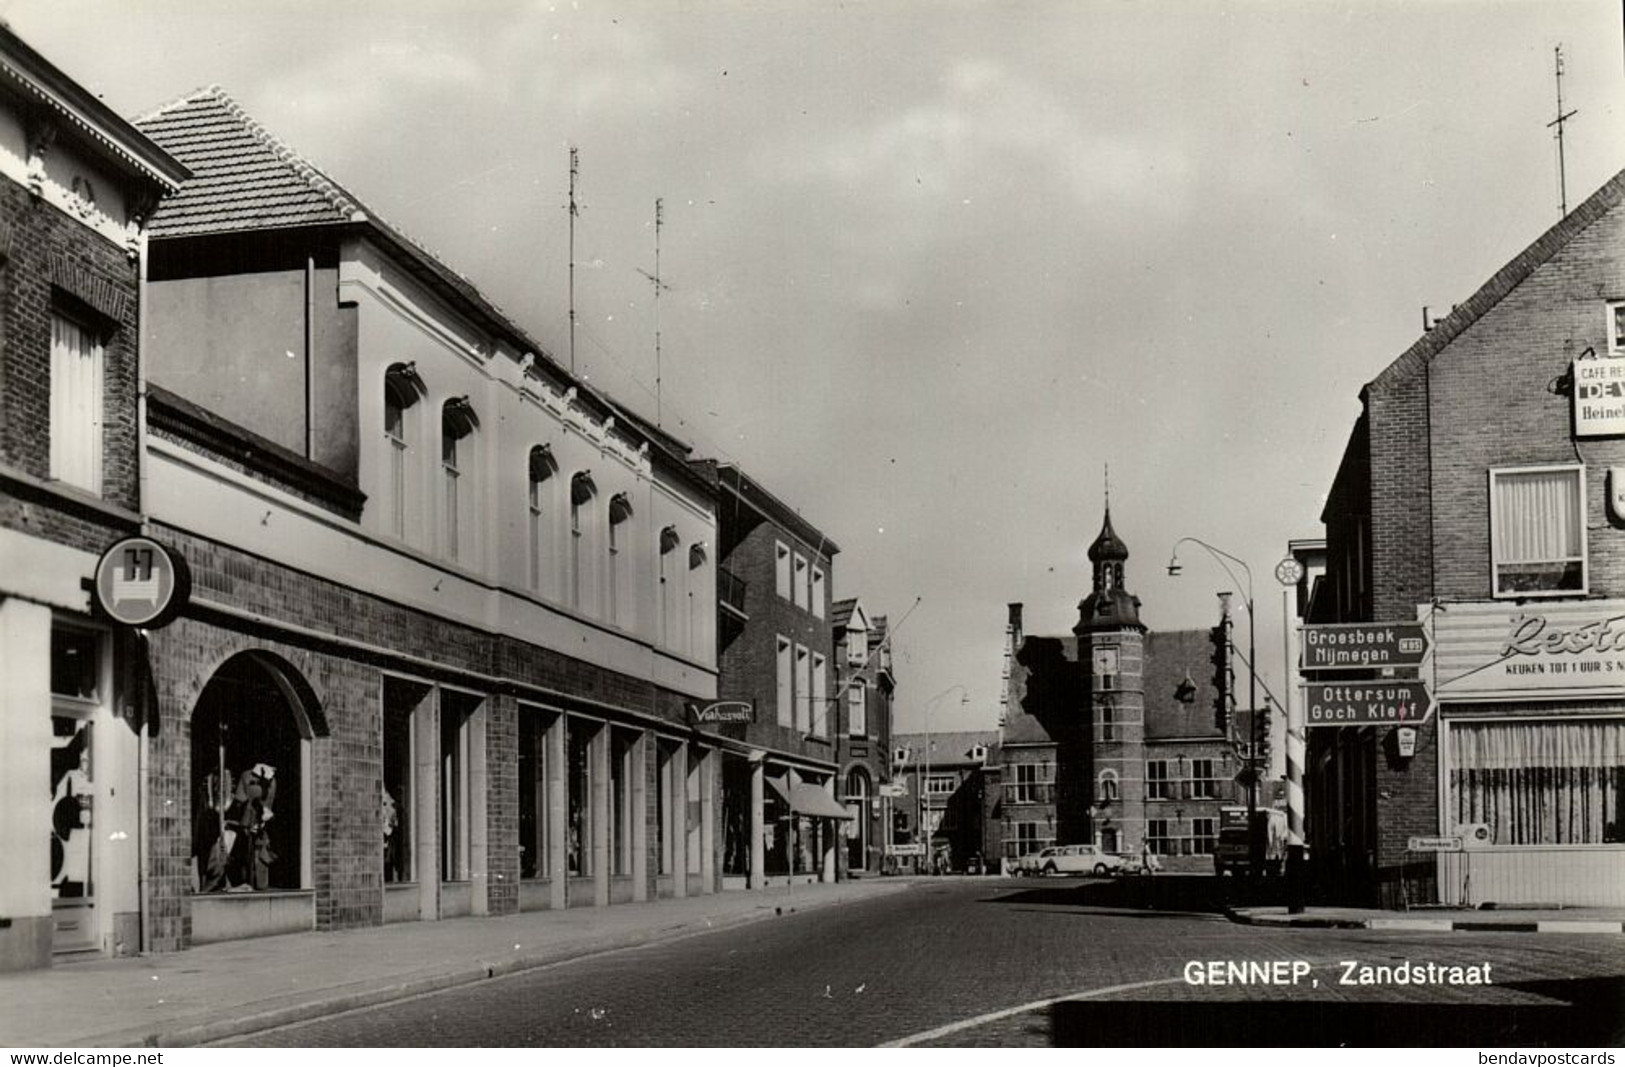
(955, 962)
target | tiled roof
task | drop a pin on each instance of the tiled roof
(243, 178)
(947, 747)
(840, 612)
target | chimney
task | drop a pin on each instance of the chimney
(1014, 626)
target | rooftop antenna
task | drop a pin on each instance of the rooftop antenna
(1562, 117)
(575, 210)
(660, 216)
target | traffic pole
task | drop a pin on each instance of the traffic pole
(1294, 770)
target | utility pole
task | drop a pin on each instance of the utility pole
(575, 169)
(659, 285)
(1562, 117)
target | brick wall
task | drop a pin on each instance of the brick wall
(49, 260)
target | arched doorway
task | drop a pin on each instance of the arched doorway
(857, 830)
(251, 730)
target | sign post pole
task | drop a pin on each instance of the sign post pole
(1289, 572)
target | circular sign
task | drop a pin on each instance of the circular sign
(1289, 571)
(139, 582)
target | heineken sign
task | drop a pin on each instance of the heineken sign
(723, 711)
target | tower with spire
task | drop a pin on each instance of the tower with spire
(1106, 786)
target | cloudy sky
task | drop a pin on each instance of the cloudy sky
(933, 265)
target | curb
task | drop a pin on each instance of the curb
(1503, 926)
(371, 996)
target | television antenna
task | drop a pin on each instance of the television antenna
(1562, 118)
(660, 217)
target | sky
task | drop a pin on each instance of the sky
(933, 267)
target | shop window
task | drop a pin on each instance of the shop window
(77, 406)
(1537, 531)
(1540, 783)
(535, 821)
(857, 828)
(250, 734)
(692, 808)
(456, 783)
(402, 701)
(76, 669)
(622, 750)
(736, 776)
(663, 808)
(578, 753)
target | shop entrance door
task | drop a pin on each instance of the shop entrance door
(73, 899)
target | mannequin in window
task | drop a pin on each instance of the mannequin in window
(249, 856)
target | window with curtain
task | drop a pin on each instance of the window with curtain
(1537, 531)
(1540, 783)
(76, 405)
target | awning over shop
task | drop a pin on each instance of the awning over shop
(807, 799)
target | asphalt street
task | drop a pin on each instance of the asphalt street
(1010, 962)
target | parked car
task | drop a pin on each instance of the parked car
(1071, 859)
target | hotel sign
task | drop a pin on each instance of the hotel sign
(1363, 646)
(139, 582)
(1380, 703)
(1502, 651)
(1599, 397)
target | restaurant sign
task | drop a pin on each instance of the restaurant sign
(1599, 397)
(1501, 651)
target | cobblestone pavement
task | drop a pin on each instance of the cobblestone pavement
(937, 957)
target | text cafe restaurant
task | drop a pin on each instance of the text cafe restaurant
(1531, 707)
(74, 796)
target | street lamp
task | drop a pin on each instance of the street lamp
(1255, 842)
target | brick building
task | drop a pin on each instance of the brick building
(951, 788)
(77, 184)
(780, 816)
(448, 606)
(864, 691)
(1480, 492)
(1109, 736)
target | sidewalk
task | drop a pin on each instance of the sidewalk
(239, 987)
(1503, 920)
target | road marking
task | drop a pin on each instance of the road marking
(1037, 1005)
